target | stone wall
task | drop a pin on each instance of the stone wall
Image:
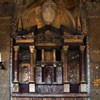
(94, 44)
(6, 11)
(94, 37)
(5, 53)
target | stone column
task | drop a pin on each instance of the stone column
(31, 63)
(16, 84)
(31, 80)
(82, 49)
(43, 55)
(54, 57)
(16, 49)
(65, 49)
(83, 79)
(65, 67)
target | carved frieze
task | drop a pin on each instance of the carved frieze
(48, 89)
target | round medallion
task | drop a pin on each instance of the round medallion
(49, 11)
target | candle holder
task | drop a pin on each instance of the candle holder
(2, 66)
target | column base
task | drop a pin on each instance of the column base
(67, 87)
(31, 87)
(83, 87)
(15, 80)
(15, 87)
(42, 65)
(54, 65)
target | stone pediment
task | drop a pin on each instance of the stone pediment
(48, 27)
(48, 34)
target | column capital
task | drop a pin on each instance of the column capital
(82, 48)
(65, 47)
(31, 49)
(16, 48)
(43, 50)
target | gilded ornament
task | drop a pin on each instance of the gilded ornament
(96, 83)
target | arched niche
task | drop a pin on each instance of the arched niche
(33, 16)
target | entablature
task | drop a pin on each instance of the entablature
(48, 36)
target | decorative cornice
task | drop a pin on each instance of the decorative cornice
(31, 49)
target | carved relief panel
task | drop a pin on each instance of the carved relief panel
(49, 11)
(74, 66)
(24, 64)
(48, 56)
(59, 75)
(38, 71)
(24, 70)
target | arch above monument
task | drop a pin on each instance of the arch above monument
(36, 15)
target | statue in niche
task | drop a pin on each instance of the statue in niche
(48, 75)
